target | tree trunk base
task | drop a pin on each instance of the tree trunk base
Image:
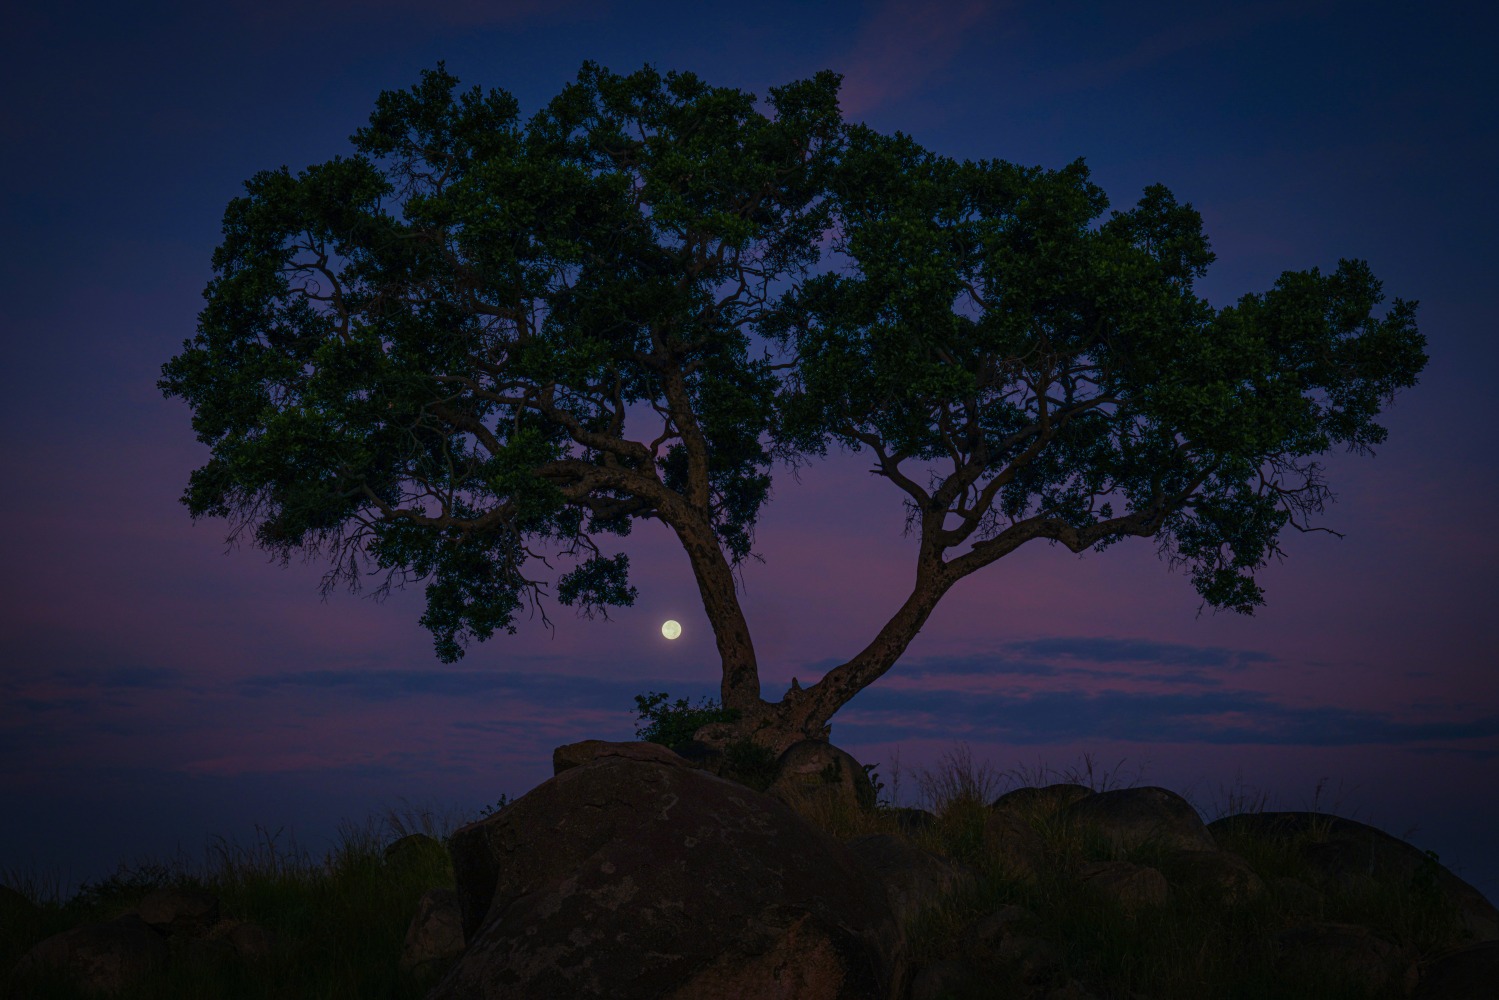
(767, 732)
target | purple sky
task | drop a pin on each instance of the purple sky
(155, 691)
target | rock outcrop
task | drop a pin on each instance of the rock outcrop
(1345, 854)
(637, 871)
(633, 875)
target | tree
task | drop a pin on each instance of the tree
(427, 353)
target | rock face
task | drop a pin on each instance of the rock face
(101, 958)
(577, 754)
(1134, 817)
(635, 875)
(812, 768)
(436, 932)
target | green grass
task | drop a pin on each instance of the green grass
(341, 920)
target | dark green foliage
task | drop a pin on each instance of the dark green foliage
(1040, 368)
(423, 354)
(672, 725)
(501, 803)
(750, 764)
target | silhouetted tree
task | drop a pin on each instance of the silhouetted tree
(426, 353)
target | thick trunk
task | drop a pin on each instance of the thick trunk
(804, 713)
(811, 709)
(715, 583)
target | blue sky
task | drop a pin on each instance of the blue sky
(157, 691)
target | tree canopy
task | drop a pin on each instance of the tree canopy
(478, 344)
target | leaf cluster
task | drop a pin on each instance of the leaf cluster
(479, 344)
(672, 725)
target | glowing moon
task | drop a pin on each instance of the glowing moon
(671, 630)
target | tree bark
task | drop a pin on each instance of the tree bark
(809, 710)
(740, 687)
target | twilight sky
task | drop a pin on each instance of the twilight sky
(155, 691)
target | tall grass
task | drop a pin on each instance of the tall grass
(339, 921)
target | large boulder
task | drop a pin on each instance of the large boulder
(813, 769)
(626, 877)
(577, 754)
(100, 957)
(1342, 851)
(415, 851)
(1036, 804)
(1135, 817)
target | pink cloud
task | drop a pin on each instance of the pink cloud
(904, 45)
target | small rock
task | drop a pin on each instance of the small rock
(436, 932)
(100, 957)
(1134, 817)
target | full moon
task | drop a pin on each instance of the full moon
(671, 630)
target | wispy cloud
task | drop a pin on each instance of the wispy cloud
(1105, 650)
(902, 46)
(1210, 717)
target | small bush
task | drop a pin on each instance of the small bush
(750, 764)
(671, 726)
